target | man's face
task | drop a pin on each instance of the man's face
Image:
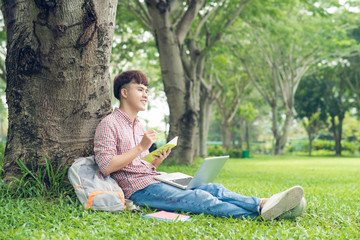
(136, 96)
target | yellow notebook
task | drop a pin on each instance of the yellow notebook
(170, 144)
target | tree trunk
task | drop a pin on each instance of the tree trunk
(178, 87)
(204, 124)
(58, 90)
(280, 136)
(310, 143)
(241, 143)
(241, 126)
(285, 132)
(337, 131)
(226, 135)
(247, 135)
(274, 128)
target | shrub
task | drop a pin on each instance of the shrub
(217, 150)
(321, 145)
(235, 153)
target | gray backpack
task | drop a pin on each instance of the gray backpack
(94, 190)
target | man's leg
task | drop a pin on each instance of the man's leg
(212, 200)
(220, 192)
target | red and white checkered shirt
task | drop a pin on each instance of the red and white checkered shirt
(115, 135)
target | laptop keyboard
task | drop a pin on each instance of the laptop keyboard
(182, 181)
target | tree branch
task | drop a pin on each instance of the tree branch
(184, 24)
(204, 20)
(255, 79)
(142, 15)
(229, 22)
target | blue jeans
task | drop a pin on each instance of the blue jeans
(211, 199)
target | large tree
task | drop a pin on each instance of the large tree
(57, 78)
(177, 26)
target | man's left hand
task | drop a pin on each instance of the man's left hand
(158, 160)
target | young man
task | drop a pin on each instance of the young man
(121, 141)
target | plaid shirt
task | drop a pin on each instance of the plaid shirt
(115, 135)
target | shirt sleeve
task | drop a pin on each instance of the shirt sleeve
(104, 144)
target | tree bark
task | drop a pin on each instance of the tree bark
(337, 131)
(204, 124)
(226, 135)
(57, 78)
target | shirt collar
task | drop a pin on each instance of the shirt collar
(125, 116)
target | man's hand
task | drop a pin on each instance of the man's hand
(148, 139)
(158, 160)
(120, 161)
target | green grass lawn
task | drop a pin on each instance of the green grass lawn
(331, 187)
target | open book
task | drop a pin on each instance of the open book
(170, 144)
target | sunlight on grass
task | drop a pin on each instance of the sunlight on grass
(331, 189)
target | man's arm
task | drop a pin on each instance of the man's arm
(118, 162)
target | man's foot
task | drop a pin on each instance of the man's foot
(296, 211)
(281, 202)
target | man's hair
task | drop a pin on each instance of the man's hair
(126, 77)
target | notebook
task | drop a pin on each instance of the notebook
(170, 144)
(206, 173)
(168, 216)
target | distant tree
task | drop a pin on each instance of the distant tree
(336, 98)
(245, 117)
(277, 49)
(310, 106)
(210, 92)
(312, 126)
(228, 104)
(351, 130)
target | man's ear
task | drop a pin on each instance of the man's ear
(123, 92)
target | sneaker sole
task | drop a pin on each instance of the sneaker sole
(291, 199)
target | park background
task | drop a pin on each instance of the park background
(311, 106)
(274, 81)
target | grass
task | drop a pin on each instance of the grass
(331, 187)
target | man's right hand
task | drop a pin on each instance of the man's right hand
(120, 161)
(148, 139)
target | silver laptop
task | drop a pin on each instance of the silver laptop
(206, 173)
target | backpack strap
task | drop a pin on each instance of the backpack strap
(94, 194)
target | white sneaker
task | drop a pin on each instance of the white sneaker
(296, 211)
(281, 202)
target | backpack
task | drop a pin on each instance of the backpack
(94, 190)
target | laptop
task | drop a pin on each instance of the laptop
(206, 173)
